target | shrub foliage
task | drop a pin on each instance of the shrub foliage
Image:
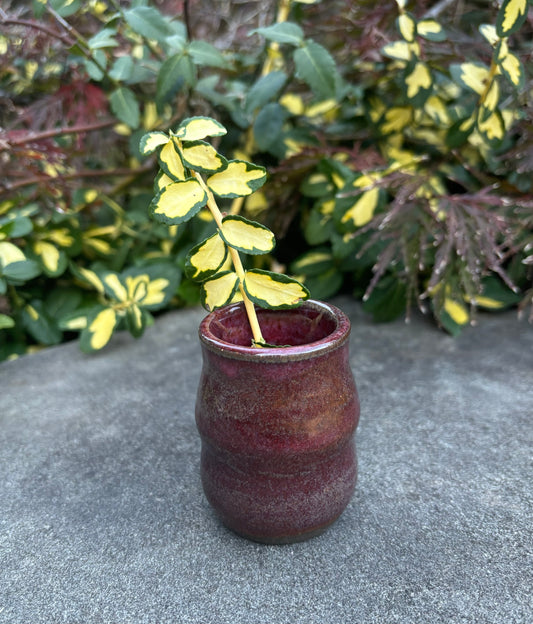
(398, 141)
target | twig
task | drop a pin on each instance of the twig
(55, 132)
(84, 173)
(9, 21)
(438, 9)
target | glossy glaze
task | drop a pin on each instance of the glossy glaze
(277, 425)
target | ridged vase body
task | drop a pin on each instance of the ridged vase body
(277, 425)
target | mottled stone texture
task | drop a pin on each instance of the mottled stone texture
(103, 518)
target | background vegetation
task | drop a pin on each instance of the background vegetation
(398, 138)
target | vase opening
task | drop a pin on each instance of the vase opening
(292, 327)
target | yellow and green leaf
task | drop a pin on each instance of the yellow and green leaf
(53, 260)
(178, 202)
(274, 290)
(90, 277)
(10, 253)
(511, 15)
(114, 287)
(171, 163)
(489, 33)
(220, 290)
(100, 327)
(401, 50)
(418, 83)
(197, 128)
(206, 258)
(474, 76)
(431, 29)
(363, 208)
(202, 156)
(247, 236)
(136, 320)
(240, 178)
(151, 141)
(407, 26)
(512, 68)
(491, 127)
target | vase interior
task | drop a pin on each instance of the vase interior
(294, 327)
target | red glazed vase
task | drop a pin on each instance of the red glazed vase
(277, 425)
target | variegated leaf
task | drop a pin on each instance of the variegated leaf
(151, 141)
(431, 29)
(171, 163)
(418, 82)
(247, 236)
(202, 156)
(363, 209)
(274, 290)
(240, 178)
(511, 16)
(100, 327)
(220, 290)
(407, 26)
(471, 75)
(197, 128)
(512, 68)
(206, 258)
(178, 202)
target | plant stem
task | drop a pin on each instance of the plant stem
(54, 132)
(239, 269)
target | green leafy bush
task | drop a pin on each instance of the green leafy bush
(398, 145)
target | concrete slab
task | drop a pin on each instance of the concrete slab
(103, 518)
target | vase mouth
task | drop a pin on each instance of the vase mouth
(299, 333)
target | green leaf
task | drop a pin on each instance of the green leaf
(123, 69)
(247, 236)
(325, 285)
(6, 321)
(282, 32)
(151, 141)
(313, 262)
(206, 258)
(264, 90)
(101, 324)
(94, 69)
(220, 290)
(197, 128)
(496, 295)
(178, 202)
(149, 22)
(21, 271)
(103, 39)
(268, 125)
(388, 300)
(274, 290)
(39, 324)
(240, 178)
(316, 67)
(171, 163)
(511, 16)
(65, 8)
(176, 71)
(125, 106)
(201, 156)
(205, 54)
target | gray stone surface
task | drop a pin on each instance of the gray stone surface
(102, 517)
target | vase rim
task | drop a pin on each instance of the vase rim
(332, 341)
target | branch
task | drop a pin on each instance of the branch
(9, 21)
(84, 173)
(55, 132)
